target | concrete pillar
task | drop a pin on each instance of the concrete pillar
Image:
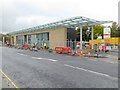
(11, 40)
(14, 40)
(92, 37)
(81, 37)
(27, 39)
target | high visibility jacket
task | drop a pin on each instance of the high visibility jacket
(45, 44)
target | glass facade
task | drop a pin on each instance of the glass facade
(29, 39)
(42, 38)
(38, 39)
(20, 39)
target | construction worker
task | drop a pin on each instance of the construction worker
(17, 45)
(45, 45)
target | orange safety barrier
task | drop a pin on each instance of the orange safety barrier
(76, 53)
(89, 54)
(63, 50)
(26, 46)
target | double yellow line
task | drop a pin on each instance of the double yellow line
(9, 80)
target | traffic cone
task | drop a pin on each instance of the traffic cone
(81, 54)
(76, 53)
(88, 54)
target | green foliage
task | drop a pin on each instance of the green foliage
(84, 28)
(0, 37)
(98, 31)
(114, 31)
(119, 31)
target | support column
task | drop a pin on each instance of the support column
(3, 38)
(81, 37)
(14, 40)
(92, 37)
(27, 39)
(10, 40)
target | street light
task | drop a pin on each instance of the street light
(76, 28)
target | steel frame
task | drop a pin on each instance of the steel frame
(72, 22)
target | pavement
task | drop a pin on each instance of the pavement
(42, 69)
(4, 82)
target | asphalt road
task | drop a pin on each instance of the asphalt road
(41, 69)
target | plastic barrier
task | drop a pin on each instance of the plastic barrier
(63, 50)
(89, 54)
(26, 46)
(103, 48)
(76, 53)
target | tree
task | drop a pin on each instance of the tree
(0, 37)
(86, 35)
(114, 29)
(117, 32)
(98, 31)
(84, 29)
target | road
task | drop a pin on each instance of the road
(41, 69)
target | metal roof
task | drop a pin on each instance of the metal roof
(72, 22)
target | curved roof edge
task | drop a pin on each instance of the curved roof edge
(71, 22)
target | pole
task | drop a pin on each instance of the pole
(92, 37)
(3, 40)
(81, 37)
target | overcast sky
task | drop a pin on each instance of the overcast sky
(19, 14)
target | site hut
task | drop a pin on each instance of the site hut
(57, 34)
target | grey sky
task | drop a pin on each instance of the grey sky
(19, 14)
(119, 13)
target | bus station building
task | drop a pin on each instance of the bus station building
(56, 34)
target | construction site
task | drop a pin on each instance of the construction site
(59, 34)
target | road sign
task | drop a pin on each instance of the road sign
(107, 32)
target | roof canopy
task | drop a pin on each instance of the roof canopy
(69, 23)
